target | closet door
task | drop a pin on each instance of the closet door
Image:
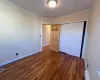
(54, 41)
(71, 38)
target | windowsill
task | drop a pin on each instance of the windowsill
(98, 73)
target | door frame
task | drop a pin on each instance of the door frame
(83, 38)
(42, 34)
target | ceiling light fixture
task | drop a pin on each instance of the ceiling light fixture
(52, 3)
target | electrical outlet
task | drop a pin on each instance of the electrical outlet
(16, 54)
(87, 65)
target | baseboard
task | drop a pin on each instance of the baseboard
(10, 61)
(86, 72)
(87, 75)
(85, 64)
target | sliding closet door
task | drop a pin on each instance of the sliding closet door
(71, 38)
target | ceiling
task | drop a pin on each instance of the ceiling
(64, 7)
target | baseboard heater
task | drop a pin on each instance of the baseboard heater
(87, 75)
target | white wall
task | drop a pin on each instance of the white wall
(78, 16)
(19, 32)
(46, 35)
(93, 46)
(47, 20)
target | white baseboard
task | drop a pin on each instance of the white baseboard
(87, 75)
(86, 72)
(98, 73)
(10, 61)
(85, 64)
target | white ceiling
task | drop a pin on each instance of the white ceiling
(64, 7)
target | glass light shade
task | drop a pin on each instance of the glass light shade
(52, 3)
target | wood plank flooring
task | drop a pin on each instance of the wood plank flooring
(46, 65)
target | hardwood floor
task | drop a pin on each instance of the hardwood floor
(46, 65)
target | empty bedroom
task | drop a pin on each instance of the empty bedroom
(49, 39)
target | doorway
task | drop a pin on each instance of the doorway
(46, 35)
(50, 37)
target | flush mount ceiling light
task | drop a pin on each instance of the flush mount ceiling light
(52, 3)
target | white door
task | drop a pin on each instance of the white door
(71, 38)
